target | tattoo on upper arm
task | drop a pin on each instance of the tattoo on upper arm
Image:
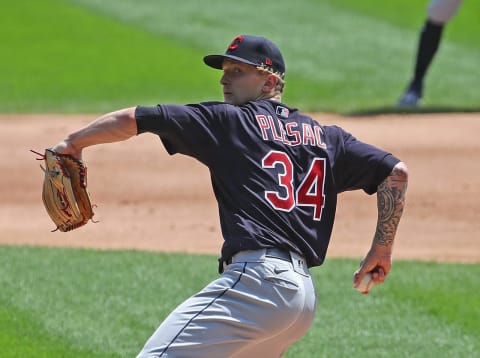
(390, 202)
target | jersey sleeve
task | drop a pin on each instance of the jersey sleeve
(359, 165)
(185, 129)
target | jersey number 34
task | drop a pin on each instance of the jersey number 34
(310, 192)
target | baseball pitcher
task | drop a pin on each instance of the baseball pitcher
(276, 174)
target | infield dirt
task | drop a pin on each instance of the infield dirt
(148, 200)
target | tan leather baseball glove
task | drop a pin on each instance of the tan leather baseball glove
(64, 191)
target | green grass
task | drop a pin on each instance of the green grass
(343, 56)
(410, 14)
(79, 303)
(66, 59)
(22, 336)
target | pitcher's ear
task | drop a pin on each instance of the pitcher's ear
(270, 83)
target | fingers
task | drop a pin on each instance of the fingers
(369, 267)
(378, 275)
(375, 268)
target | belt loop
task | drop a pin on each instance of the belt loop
(221, 265)
(299, 264)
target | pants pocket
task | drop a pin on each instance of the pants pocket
(282, 277)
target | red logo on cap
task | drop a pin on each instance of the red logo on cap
(268, 62)
(235, 42)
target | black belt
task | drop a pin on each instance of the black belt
(278, 254)
(269, 252)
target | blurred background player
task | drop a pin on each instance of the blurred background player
(439, 13)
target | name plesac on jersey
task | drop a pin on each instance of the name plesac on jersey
(291, 133)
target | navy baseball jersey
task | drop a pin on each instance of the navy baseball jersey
(275, 172)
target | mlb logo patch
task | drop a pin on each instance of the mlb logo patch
(282, 112)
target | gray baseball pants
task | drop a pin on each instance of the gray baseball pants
(258, 307)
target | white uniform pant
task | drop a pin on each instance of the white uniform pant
(440, 11)
(258, 307)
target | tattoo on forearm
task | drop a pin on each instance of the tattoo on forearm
(390, 201)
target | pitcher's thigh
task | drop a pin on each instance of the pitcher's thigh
(245, 306)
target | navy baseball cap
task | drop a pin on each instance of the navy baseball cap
(253, 50)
